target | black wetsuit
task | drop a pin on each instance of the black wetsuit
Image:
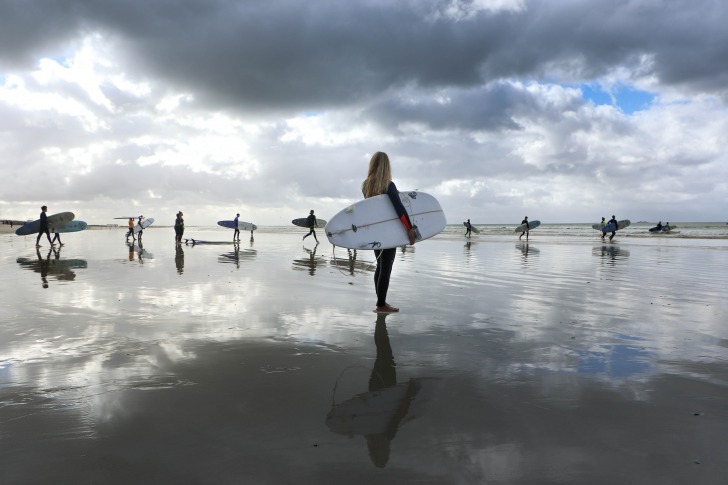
(311, 220)
(614, 232)
(43, 228)
(179, 228)
(385, 257)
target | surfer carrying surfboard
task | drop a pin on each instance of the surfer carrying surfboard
(311, 225)
(131, 230)
(141, 228)
(378, 182)
(43, 227)
(56, 235)
(236, 234)
(468, 229)
(525, 230)
(613, 220)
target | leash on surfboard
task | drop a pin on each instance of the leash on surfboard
(336, 384)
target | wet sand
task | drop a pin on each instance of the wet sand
(548, 362)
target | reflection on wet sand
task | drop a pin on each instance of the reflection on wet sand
(236, 255)
(138, 251)
(527, 249)
(610, 252)
(378, 414)
(179, 259)
(351, 263)
(311, 262)
(61, 269)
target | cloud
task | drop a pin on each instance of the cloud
(271, 106)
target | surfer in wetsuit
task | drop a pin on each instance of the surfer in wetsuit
(56, 236)
(43, 227)
(378, 182)
(179, 228)
(140, 229)
(131, 230)
(613, 220)
(236, 234)
(468, 229)
(524, 221)
(311, 225)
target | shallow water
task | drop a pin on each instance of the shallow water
(558, 360)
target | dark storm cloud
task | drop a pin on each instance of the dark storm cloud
(279, 54)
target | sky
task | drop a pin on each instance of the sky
(564, 111)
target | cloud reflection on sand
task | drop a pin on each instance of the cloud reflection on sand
(529, 355)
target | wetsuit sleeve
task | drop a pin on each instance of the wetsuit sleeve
(393, 194)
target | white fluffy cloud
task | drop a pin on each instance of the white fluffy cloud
(271, 108)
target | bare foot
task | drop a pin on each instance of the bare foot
(386, 308)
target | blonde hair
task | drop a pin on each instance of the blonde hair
(379, 176)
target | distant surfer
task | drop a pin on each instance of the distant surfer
(131, 230)
(604, 223)
(378, 182)
(613, 220)
(525, 231)
(468, 229)
(659, 226)
(311, 221)
(179, 228)
(43, 227)
(56, 235)
(236, 234)
(666, 227)
(140, 228)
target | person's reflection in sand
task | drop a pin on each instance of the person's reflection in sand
(179, 259)
(377, 414)
(384, 375)
(312, 258)
(131, 251)
(44, 266)
(140, 253)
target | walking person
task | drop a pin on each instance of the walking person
(140, 229)
(311, 225)
(56, 235)
(236, 234)
(378, 182)
(43, 227)
(179, 228)
(468, 229)
(131, 230)
(524, 221)
(613, 220)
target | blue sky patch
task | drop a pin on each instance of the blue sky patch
(626, 98)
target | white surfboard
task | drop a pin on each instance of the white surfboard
(473, 229)
(373, 223)
(143, 225)
(531, 226)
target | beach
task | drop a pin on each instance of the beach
(558, 360)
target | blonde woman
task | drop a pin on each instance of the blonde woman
(378, 182)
